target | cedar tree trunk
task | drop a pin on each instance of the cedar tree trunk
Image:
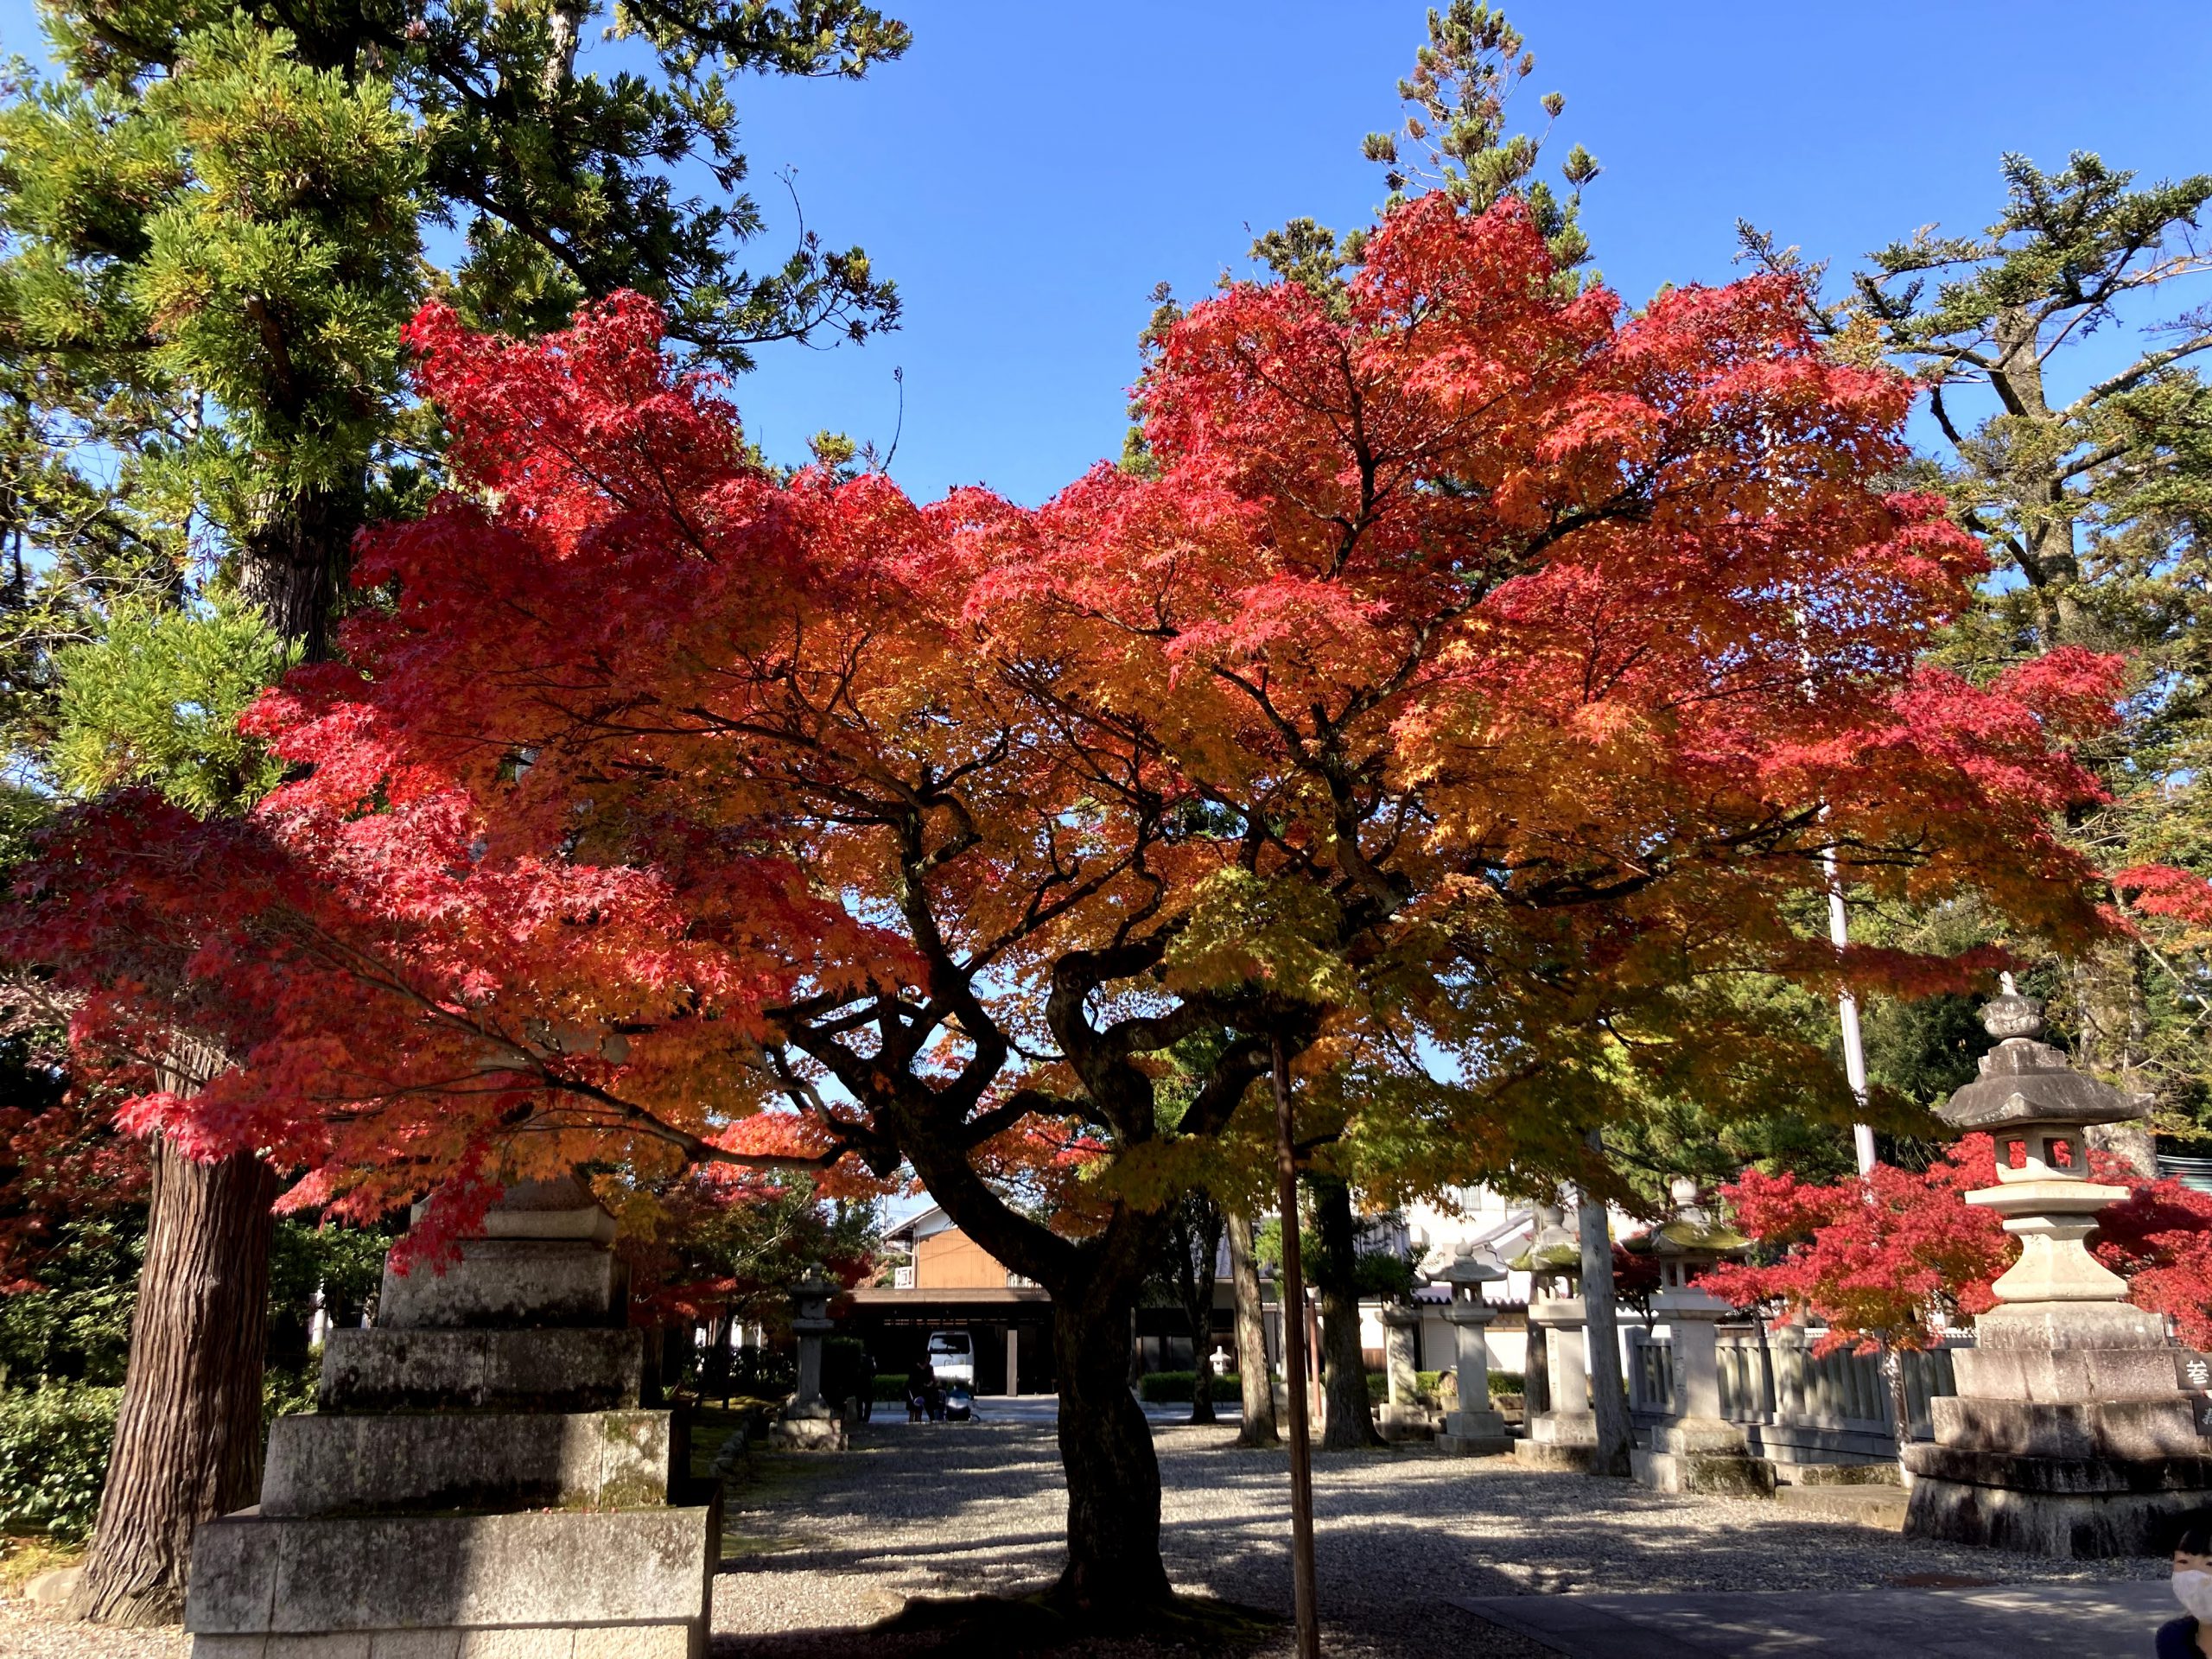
(1350, 1422)
(187, 1439)
(1114, 1575)
(1258, 1425)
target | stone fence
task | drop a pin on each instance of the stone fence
(1792, 1406)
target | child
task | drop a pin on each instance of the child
(2189, 1637)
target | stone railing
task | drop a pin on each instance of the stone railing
(1793, 1407)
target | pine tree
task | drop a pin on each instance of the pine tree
(2093, 509)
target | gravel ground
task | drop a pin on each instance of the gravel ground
(819, 1548)
(26, 1632)
(830, 1545)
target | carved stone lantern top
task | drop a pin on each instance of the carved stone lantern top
(811, 1301)
(2025, 1083)
(1468, 1272)
(2037, 1107)
(1554, 1251)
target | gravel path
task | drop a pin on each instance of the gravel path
(828, 1545)
(27, 1632)
(819, 1548)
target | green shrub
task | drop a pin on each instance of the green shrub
(1428, 1382)
(1173, 1388)
(53, 1449)
(1507, 1383)
(286, 1393)
(890, 1386)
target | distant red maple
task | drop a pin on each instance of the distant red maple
(1890, 1263)
(1475, 670)
(1886, 1263)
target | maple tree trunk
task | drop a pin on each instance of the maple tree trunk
(1258, 1423)
(188, 1438)
(1351, 1421)
(1114, 1573)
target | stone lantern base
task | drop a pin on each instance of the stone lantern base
(2070, 1436)
(1702, 1455)
(1474, 1434)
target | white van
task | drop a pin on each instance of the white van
(953, 1358)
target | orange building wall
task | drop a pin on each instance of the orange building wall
(952, 1261)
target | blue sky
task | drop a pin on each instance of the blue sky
(1029, 170)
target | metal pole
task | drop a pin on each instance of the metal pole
(1854, 1052)
(1294, 1339)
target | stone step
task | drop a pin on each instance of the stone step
(426, 1584)
(507, 1282)
(1841, 1474)
(1869, 1506)
(384, 1369)
(353, 1464)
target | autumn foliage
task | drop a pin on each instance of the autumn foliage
(1474, 669)
(1886, 1263)
(1892, 1260)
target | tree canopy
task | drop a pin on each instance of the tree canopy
(1466, 693)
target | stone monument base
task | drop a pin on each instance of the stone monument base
(1404, 1423)
(627, 1584)
(809, 1428)
(1694, 1456)
(1561, 1440)
(1474, 1434)
(2079, 1508)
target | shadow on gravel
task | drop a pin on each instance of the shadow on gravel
(986, 1626)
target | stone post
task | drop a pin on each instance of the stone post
(2070, 1434)
(1403, 1418)
(478, 1476)
(809, 1422)
(1013, 1361)
(1693, 1449)
(1565, 1435)
(1475, 1429)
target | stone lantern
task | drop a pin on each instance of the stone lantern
(1564, 1433)
(1693, 1448)
(2070, 1434)
(1474, 1429)
(811, 1423)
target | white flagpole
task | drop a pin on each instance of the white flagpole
(1854, 1052)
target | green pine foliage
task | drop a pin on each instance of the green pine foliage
(2093, 497)
(156, 701)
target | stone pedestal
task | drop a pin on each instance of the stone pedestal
(1566, 1435)
(479, 1478)
(1476, 1429)
(1695, 1449)
(1402, 1417)
(2071, 1434)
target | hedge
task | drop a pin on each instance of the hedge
(53, 1449)
(1173, 1388)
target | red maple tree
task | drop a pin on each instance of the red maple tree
(1884, 1264)
(1476, 669)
